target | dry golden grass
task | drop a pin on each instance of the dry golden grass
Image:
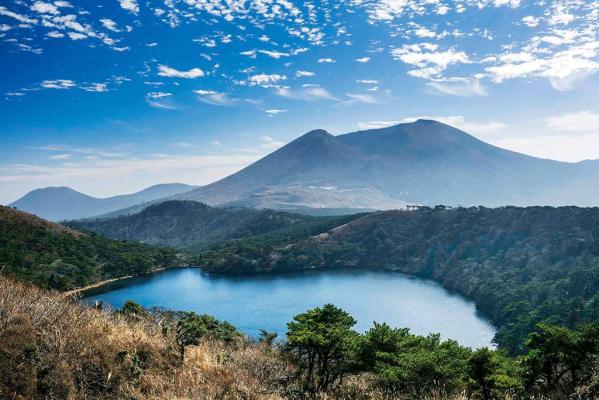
(52, 347)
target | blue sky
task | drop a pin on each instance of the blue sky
(109, 97)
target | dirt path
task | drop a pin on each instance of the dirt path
(77, 291)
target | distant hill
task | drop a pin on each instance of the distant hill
(62, 203)
(52, 255)
(193, 226)
(521, 266)
(424, 162)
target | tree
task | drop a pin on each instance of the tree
(133, 309)
(481, 374)
(559, 359)
(191, 328)
(324, 346)
(267, 338)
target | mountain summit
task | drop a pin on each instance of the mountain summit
(61, 203)
(423, 162)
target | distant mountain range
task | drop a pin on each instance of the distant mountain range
(63, 203)
(424, 162)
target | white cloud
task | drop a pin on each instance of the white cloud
(95, 87)
(130, 5)
(326, 60)
(266, 80)
(476, 128)
(301, 73)
(58, 84)
(363, 59)
(368, 81)
(160, 100)
(307, 93)
(19, 17)
(55, 34)
(173, 73)
(530, 21)
(463, 87)
(273, 53)
(578, 121)
(362, 98)
(275, 111)
(158, 95)
(214, 98)
(64, 156)
(430, 60)
(109, 24)
(376, 124)
(45, 8)
(563, 68)
(509, 3)
(76, 36)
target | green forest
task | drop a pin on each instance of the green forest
(53, 256)
(521, 266)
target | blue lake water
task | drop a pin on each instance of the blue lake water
(268, 302)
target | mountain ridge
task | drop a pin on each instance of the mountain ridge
(423, 162)
(57, 203)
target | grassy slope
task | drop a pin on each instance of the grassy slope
(54, 348)
(52, 255)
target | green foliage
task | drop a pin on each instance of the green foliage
(406, 363)
(522, 266)
(133, 309)
(195, 226)
(324, 345)
(491, 374)
(191, 328)
(53, 256)
(267, 338)
(559, 360)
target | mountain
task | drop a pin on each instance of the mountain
(193, 226)
(62, 203)
(424, 162)
(521, 266)
(52, 255)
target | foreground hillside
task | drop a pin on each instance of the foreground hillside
(193, 226)
(52, 347)
(520, 265)
(53, 255)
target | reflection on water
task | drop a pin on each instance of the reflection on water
(268, 302)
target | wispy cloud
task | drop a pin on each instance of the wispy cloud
(214, 98)
(169, 72)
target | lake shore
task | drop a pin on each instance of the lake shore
(96, 285)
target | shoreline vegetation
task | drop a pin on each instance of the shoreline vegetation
(55, 348)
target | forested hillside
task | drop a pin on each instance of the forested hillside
(522, 266)
(52, 255)
(195, 226)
